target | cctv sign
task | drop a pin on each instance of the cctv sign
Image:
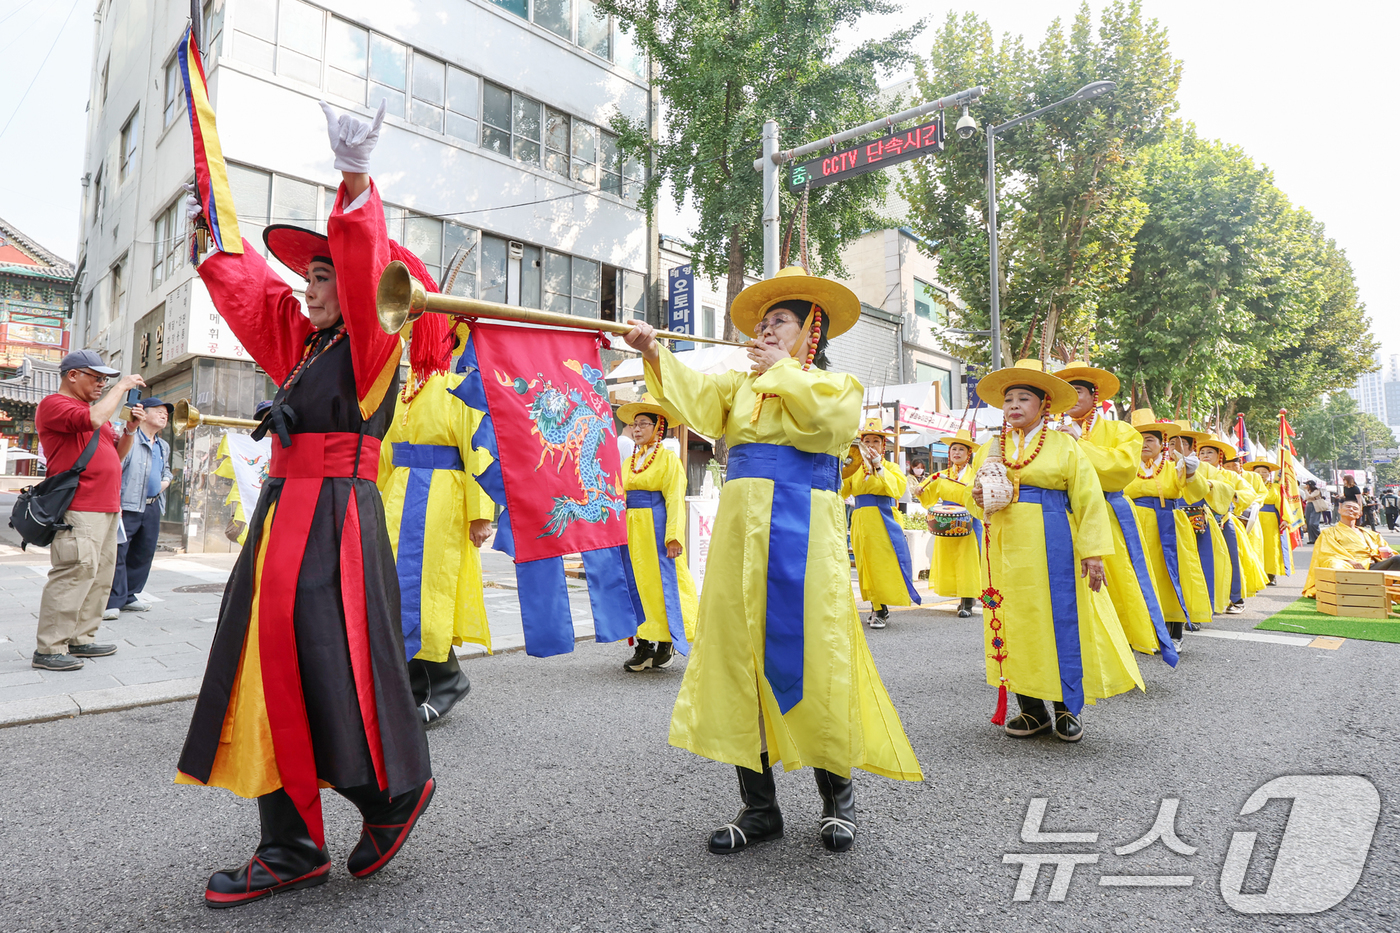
(900, 146)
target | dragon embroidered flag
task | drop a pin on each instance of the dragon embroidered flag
(555, 468)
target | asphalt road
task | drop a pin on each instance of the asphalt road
(561, 807)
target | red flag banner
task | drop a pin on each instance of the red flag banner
(555, 439)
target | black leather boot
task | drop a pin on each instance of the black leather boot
(286, 858)
(1034, 718)
(838, 810)
(642, 658)
(1068, 728)
(759, 819)
(437, 685)
(387, 823)
(965, 607)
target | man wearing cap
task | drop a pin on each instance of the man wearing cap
(145, 477)
(84, 554)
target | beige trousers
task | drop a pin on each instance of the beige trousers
(76, 592)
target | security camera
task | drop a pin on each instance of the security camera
(966, 125)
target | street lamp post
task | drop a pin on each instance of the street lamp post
(1087, 92)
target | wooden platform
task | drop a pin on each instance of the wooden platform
(1365, 594)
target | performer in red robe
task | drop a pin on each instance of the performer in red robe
(306, 683)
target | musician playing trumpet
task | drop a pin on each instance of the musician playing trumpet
(883, 563)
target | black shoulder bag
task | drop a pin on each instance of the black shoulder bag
(38, 512)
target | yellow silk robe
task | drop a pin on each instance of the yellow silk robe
(453, 610)
(957, 562)
(877, 565)
(845, 718)
(1217, 496)
(1168, 486)
(1115, 450)
(1256, 534)
(1337, 547)
(666, 475)
(1273, 543)
(1251, 567)
(1016, 554)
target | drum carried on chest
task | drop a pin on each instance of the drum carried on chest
(1199, 519)
(949, 521)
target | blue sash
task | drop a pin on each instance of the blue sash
(1166, 531)
(1064, 580)
(1287, 551)
(675, 622)
(976, 522)
(421, 460)
(1122, 512)
(794, 474)
(885, 505)
(1205, 547)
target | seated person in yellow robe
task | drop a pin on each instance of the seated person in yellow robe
(1348, 547)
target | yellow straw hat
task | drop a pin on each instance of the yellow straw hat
(838, 303)
(1227, 451)
(1273, 467)
(1103, 380)
(647, 406)
(1184, 429)
(963, 437)
(874, 426)
(1144, 420)
(992, 387)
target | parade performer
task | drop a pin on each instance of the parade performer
(1249, 516)
(1276, 561)
(663, 591)
(1246, 573)
(957, 560)
(1202, 508)
(1051, 632)
(306, 682)
(1347, 546)
(436, 514)
(1115, 450)
(780, 665)
(883, 564)
(1162, 479)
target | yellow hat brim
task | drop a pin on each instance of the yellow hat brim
(1227, 451)
(1200, 437)
(1106, 382)
(838, 303)
(1164, 428)
(1261, 463)
(992, 387)
(626, 413)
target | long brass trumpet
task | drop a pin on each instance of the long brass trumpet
(401, 300)
(188, 417)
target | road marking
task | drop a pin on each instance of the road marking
(1324, 641)
(1296, 640)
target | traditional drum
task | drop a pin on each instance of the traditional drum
(949, 521)
(1197, 514)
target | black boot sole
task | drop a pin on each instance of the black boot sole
(319, 875)
(748, 844)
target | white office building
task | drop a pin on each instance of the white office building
(1370, 393)
(495, 159)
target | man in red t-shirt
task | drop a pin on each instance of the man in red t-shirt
(84, 554)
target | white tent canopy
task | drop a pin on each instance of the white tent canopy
(712, 359)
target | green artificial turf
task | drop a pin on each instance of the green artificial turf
(1301, 616)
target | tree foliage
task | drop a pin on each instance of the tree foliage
(1337, 431)
(722, 68)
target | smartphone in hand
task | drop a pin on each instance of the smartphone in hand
(133, 397)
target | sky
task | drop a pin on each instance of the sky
(1302, 89)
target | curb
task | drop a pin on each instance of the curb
(114, 699)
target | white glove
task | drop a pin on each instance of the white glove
(352, 139)
(1191, 463)
(192, 206)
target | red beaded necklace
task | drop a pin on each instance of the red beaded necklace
(1157, 470)
(307, 357)
(655, 447)
(411, 389)
(1040, 442)
(1092, 418)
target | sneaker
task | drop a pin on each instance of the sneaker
(663, 656)
(137, 605)
(875, 620)
(55, 662)
(642, 658)
(1234, 609)
(110, 615)
(91, 650)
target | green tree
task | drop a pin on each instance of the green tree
(1068, 204)
(722, 68)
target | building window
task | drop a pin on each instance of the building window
(212, 35)
(633, 177)
(167, 254)
(571, 285)
(928, 303)
(423, 236)
(174, 93)
(255, 39)
(557, 16)
(707, 321)
(102, 99)
(634, 295)
(252, 193)
(429, 92)
(128, 145)
(926, 372)
(118, 295)
(300, 30)
(610, 165)
(594, 30)
(97, 194)
(463, 104)
(512, 124)
(388, 74)
(347, 60)
(460, 251)
(585, 153)
(556, 141)
(519, 7)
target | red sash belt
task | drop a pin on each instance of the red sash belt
(302, 466)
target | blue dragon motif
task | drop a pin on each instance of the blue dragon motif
(568, 425)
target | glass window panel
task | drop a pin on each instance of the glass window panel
(378, 92)
(497, 107)
(557, 162)
(158, 250)
(584, 308)
(634, 294)
(464, 128)
(556, 16)
(530, 275)
(423, 236)
(251, 191)
(174, 92)
(557, 274)
(348, 86)
(254, 51)
(460, 251)
(388, 62)
(514, 6)
(299, 28)
(428, 79)
(594, 30)
(496, 140)
(556, 130)
(629, 52)
(393, 221)
(526, 151)
(327, 208)
(585, 279)
(347, 47)
(294, 202)
(609, 157)
(527, 118)
(493, 269)
(426, 115)
(298, 66)
(585, 141)
(258, 18)
(463, 92)
(707, 321)
(464, 285)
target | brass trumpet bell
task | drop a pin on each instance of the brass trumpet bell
(400, 300)
(188, 417)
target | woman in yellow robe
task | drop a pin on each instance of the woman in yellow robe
(1115, 449)
(957, 561)
(780, 666)
(1168, 537)
(883, 565)
(1246, 573)
(1051, 631)
(437, 516)
(1205, 506)
(1277, 560)
(663, 592)
(1254, 531)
